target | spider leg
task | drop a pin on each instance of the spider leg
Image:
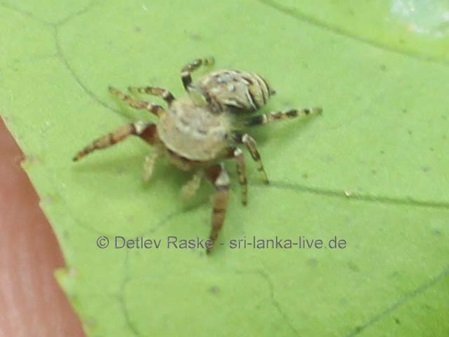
(218, 176)
(144, 130)
(137, 104)
(148, 165)
(186, 72)
(250, 144)
(237, 154)
(190, 188)
(280, 115)
(166, 95)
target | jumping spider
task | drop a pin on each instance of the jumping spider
(197, 132)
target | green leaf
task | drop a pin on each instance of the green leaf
(372, 170)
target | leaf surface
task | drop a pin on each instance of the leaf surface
(370, 173)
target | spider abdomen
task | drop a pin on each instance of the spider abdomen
(234, 91)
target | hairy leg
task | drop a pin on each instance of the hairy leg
(280, 115)
(218, 176)
(187, 70)
(166, 95)
(250, 143)
(136, 103)
(144, 130)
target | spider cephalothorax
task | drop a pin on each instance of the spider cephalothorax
(199, 131)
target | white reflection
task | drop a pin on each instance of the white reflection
(428, 17)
